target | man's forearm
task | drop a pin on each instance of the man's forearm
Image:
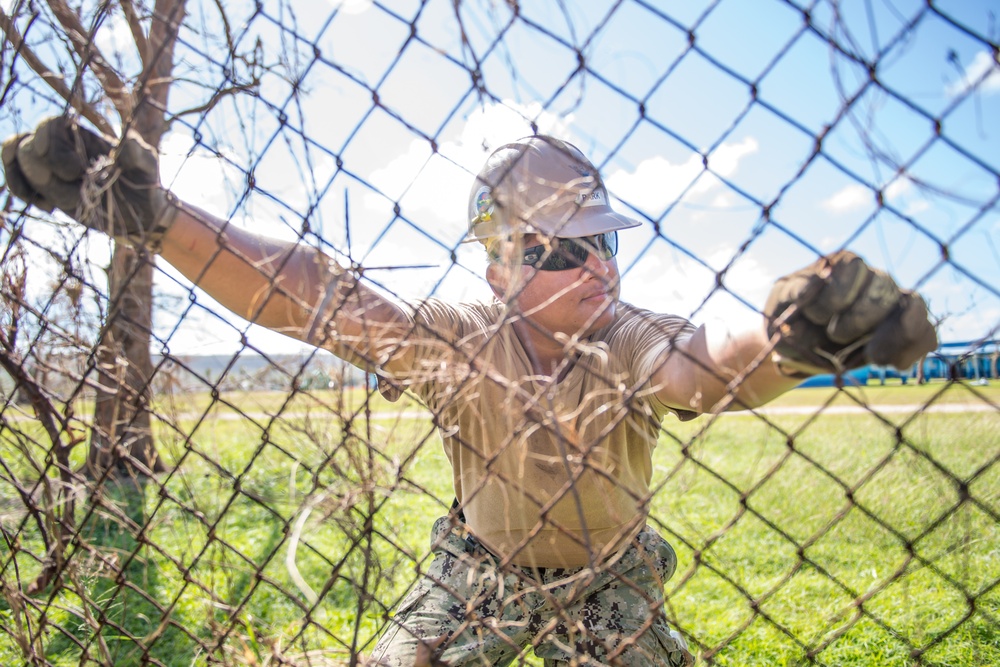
(717, 369)
(291, 288)
(745, 360)
(276, 284)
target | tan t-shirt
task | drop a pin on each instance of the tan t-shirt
(549, 474)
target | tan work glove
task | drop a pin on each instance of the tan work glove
(112, 188)
(838, 314)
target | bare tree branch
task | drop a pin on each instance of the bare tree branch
(57, 530)
(217, 97)
(226, 27)
(83, 42)
(153, 85)
(54, 80)
(138, 34)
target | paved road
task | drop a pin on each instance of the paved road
(947, 408)
(224, 414)
(881, 409)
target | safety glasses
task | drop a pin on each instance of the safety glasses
(563, 254)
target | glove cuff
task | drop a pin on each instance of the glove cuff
(795, 370)
(154, 228)
(153, 238)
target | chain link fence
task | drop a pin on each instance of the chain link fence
(278, 507)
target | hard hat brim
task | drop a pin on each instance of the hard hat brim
(585, 222)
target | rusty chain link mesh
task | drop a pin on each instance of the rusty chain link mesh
(838, 527)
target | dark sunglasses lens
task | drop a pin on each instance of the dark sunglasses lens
(608, 244)
(572, 253)
(603, 245)
(564, 256)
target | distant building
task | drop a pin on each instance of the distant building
(249, 371)
(969, 360)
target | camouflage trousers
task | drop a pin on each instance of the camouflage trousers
(465, 610)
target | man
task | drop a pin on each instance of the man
(548, 399)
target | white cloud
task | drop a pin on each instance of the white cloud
(904, 196)
(657, 182)
(670, 282)
(899, 188)
(208, 181)
(397, 176)
(751, 278)
(723, 199)
(440, 182)
(915, 208)
(114, 39)
(484, 130)
(497, 124)
(976, 323)
(849, 198)
(982, 65)
(194, 174)
(726, 158)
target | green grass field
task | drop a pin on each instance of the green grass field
(865, 535)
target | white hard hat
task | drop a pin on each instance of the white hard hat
(540, 185)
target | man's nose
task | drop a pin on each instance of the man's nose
(595, 266)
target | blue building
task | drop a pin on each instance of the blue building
(969, 360)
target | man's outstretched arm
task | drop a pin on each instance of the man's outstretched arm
(288, 287)
(716, 369)
(291, 288)
(833, 316)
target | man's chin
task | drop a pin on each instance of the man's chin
(603, 317)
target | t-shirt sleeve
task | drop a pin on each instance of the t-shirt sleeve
(646, 338)
(442, 338)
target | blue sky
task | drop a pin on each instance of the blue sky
(744, 86)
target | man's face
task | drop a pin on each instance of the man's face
(575, 301)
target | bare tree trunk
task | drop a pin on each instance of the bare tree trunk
(122, 425)
(122, 429)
